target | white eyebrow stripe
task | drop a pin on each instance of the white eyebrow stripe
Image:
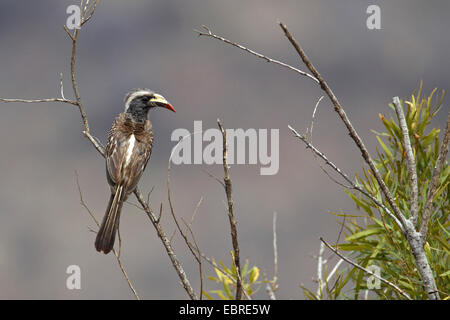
(134, 95)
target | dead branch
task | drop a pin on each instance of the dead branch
(40, 100)
(272, 285)
(208, 33)
(320, 263)
(234, 234)
(344, 175)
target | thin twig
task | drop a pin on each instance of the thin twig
(320, 264)
(403, 293)
(234, 234)
(272, 285)
(344, 175)
(61, 85)
(197, 257)
(74, 82)
(334, 270)
(214, 177)
(40, 100)
(313, 118)
(90, 10)
(411, 163)
(208, 33)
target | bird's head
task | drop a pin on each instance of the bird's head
(139, 101)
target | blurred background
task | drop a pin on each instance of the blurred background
(128, 44)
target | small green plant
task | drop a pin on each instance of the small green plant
(373, 239)
(227, 277)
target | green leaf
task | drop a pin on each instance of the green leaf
(386, 149)
(363, 234)
(254, 274)
(207, 295)
(220, 294)
(445, 274)
(227, 289)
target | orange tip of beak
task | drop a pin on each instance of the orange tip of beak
(169, 106)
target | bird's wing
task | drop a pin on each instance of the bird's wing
(116, 151)
(137, 164)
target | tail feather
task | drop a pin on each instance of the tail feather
(107, 232)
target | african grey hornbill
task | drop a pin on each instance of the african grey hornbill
(128, 149)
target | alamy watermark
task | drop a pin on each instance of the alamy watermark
(373, 21)
(74, 279)
(373, 282)
(249, 146)
(74, 19)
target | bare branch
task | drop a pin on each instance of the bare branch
(68, 32)
(208, 33)
(40, 100)
(434, 180)
(74, 82)
(167, 245)
(234, 234)
(344, 175)
(88, 12)
(197, 257)
(411, 163)
(183, 234)
(214, 177)
(313, 118)
(366, 270)
(272, 285)
(61, 85)
(320, 264)
(353, 134)
(334, 270)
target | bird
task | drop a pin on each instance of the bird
(128, 150)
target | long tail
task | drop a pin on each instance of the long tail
(107, 233)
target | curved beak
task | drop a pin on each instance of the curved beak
(162, 102)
